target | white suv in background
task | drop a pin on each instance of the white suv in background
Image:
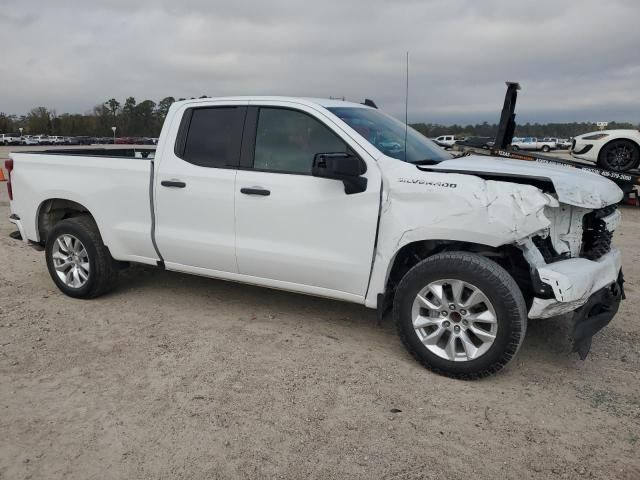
(29, 140)
(10, 139)
(447, 141)
(42, 139)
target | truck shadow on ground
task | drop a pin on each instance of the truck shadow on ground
(546, 337)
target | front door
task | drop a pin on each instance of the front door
(296, 228)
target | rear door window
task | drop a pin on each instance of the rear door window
(211, 136)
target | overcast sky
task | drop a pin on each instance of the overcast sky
(576, 59)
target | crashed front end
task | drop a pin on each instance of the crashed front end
(575, 268)
(564, 230)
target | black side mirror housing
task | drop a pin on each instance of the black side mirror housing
(341, 166)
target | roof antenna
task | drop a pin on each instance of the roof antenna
(406, 110)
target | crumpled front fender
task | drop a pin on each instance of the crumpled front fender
(452, 207)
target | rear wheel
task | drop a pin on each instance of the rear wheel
(78, 262)
(515, 147)
(619, 155)
(545, 148)
(460, 315)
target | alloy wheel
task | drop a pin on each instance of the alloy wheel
(454, 320)
(71, 261)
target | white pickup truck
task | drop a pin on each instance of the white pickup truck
(307, 195)
(532, 143)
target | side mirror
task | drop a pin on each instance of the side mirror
(341, 166)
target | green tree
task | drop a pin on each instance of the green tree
(39, 121)
(144, 118)
(128, 116)
(114, 107)
(163, 107)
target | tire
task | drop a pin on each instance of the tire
(545, 148)
(495, 285)
(102, 269)
(515, 148)
(619, 156)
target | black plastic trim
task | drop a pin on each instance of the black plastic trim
(584, 150)
(153, 212)
(255, 191)
(128, 153)
(181, 137)
(247, 148)
(173, 183)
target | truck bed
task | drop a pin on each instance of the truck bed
(115, 185)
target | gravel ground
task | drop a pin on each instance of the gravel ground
(174, 376)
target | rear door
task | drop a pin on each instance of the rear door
(194, 185)
(295, 228)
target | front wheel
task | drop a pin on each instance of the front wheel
(460, 315)
(545, 148)
(78, 262)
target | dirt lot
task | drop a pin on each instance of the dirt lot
(173, 376)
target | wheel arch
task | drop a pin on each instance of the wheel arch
(508, 256)
(53, 210)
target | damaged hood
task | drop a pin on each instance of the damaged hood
(572, 186)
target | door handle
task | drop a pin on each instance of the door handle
(255, 191)
(173, 183)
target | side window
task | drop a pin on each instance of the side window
(211, 136)
(287, 141)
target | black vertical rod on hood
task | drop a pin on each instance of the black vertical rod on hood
(507, 125)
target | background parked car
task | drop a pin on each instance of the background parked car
(42, 139)
(29, 140)
(477, 142)
(56, 140)
(10, 139)
(532, 143)
(561, 143)
(447, 141)
(617, 150)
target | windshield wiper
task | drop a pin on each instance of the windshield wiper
(426, 161)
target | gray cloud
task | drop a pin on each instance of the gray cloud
(576, 60)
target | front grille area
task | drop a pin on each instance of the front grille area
(596, 239)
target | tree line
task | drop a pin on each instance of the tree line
(131, 119)
(144, 119)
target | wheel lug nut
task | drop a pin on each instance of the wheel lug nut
(444, 314)
(463, 312)
(446, 324)
(452, 306)
(456, 328)
(465, 323)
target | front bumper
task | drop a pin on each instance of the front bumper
(574, 282)
(596, 314)
(585, 150)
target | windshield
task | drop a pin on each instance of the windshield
(387, 134)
